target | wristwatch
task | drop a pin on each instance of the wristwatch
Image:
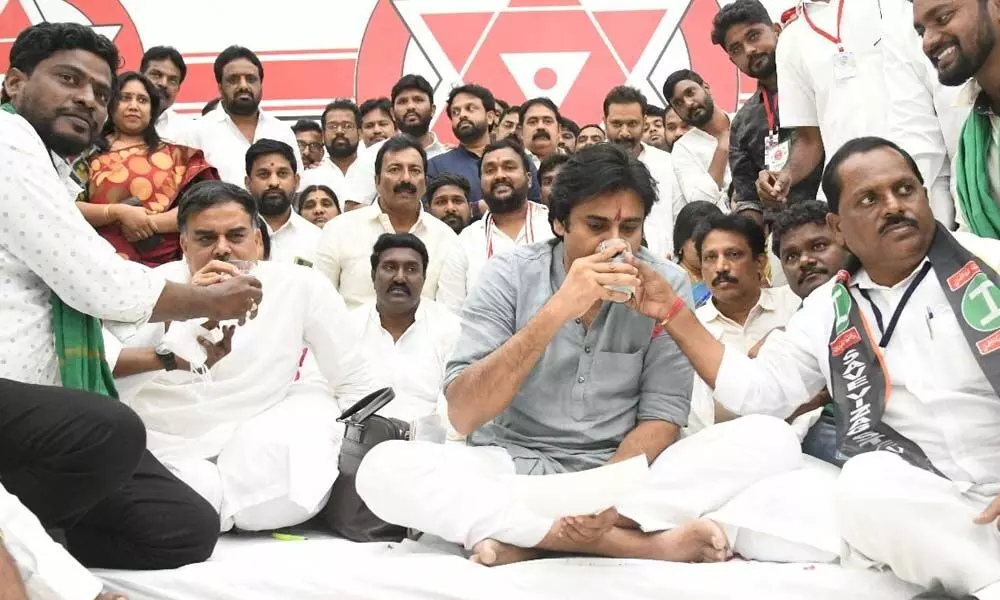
(166, 357)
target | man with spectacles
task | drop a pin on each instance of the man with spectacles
(341, 131)
(309, 135)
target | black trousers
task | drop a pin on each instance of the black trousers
(79, 462)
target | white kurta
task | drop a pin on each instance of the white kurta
(295, 241)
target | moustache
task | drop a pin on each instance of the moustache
(405, 187)
(401, 287)
(897, 219)
(341, 138)
(541, 133)
(806, 272)
(500, 182)
(242, 93)
(410, 113)
(465, 122)
(79, 114)
(724, 277)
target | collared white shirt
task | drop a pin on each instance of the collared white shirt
(171, 125)
(328, 174)
(774, 308)
(811, 94)
(924, 116)
(462, 266)
(966, 99)
(345, 249)
(692, 156)
(940, 398)
(659, 226)
(296, 240)
(361, 175)
(225, 146)
(413, 365)
(49, 248)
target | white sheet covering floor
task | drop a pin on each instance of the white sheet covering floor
(326, 568)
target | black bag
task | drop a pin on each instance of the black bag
(346, 514)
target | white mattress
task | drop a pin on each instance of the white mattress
(325, 568)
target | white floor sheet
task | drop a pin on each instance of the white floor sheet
(325, 568)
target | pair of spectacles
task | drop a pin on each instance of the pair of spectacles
(316, 146)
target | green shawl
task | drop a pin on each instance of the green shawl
(79, 342)
(975, 200)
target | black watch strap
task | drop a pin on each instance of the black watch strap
(168, 358)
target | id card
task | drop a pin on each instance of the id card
(843, 65)
(775, 153)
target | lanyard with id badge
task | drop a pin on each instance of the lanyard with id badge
(844, 66)
(775, 151)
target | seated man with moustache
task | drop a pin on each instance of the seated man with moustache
(259, 445)
(558, 370)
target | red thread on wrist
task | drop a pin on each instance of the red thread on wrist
(674, 310)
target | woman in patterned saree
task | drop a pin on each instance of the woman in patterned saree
(133, 178)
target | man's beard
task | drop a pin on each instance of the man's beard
(417, 130)
(630, 146)
(243, 107)
(342, 150)
(60, 145)
(967, 65)
(704, 119)
(469, 135)
(455, 221)
(518, 196)
(164, 98)
(273, 203)
(769, 68)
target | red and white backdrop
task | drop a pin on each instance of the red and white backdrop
(572, 51)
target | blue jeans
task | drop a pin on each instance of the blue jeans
(821, 441)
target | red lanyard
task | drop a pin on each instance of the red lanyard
(840, 16)
(768, 111)
(490, 226)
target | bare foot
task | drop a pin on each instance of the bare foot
(699, 541)
(491, 553)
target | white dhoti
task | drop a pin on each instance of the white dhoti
(277, 468)
(461, 493)
(920, 525)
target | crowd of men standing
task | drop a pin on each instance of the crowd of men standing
(190, 303)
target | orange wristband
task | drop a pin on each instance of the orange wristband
(673, 311)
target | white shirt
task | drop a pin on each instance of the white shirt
(659, 226)
(297, 239)
(462, 266)
(966, 99)
(328, 174)
(47, 247)
(187, 417)
(811, 95)
(940, 398)
(413, 365)
(361, 175)
(170, 125)
(345, 249)
(924, 116)
(774, 308)
(692, 156)
(225, 146)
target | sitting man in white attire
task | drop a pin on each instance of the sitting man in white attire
(511, 221)
(260, 446)
(554, 373)
(409, 336)
(916, 315)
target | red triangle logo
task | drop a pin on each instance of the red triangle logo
(518, 3)
(13, 20)
(630, 31)
(458, 34)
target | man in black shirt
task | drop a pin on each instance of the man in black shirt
(756, 141)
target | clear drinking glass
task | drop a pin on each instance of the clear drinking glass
(245, 267)
(619, 258)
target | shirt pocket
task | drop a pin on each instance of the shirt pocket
(951, 365)
(613, 389)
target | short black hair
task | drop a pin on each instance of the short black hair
(317, 188)
(740, 12)
(164, 53)
(383, 104)
(551, 162)
(569, 125)
(303, 125)
(149, 134)
(508, 142)
(265, 146)
(595, 171)
(38, 42)
(688, 219)
(516, 109)
(472, 89)
(398, 143)
(653, 110)
(235, 53)
(595, 126)
(206, 194)
(542, 100)
(503, 105)
(387, 241)
(676, 77)
(412, 82)
(265, 237)
(795, 215)
(210, 106)
(448, 178)
(624, 94)
(738, 224)
(342, 104)
(861, 145)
